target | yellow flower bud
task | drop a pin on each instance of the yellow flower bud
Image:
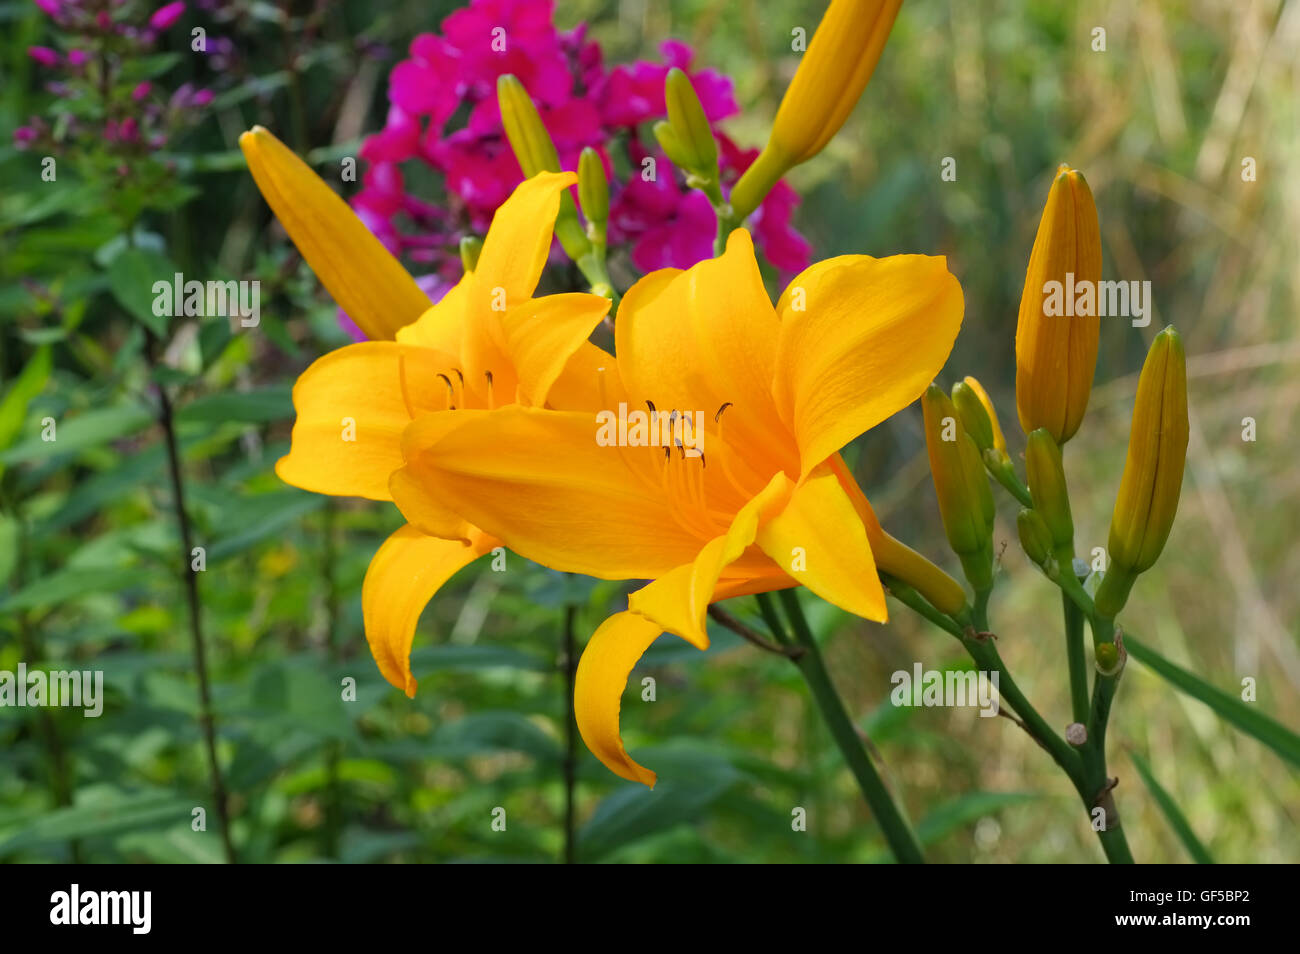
(1046, 472)
(999, 441)
(1035, 538)
(965, 500)
(1153, 472)
(831, 77)
(1056, 346)
(536, 153)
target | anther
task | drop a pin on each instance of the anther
(717, 417)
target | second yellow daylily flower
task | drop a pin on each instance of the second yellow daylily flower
(772, 394)
(486, 344)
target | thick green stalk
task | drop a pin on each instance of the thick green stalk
(1074, 655)
(898, 833)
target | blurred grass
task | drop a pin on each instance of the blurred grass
(1158, 123)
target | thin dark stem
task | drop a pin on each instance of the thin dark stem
(206, 722)
(570, 739)
(334, 819)
(727, 621)
(897, 831)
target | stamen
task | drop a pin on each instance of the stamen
(491, 402)
(451, 392)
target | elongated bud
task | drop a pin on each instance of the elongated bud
(691, 139)
(470, 247)
(1153, 471)
(593, 187)
(536, 153)
(1035, 538)
(363, 277)
(965, 501)
(1058, 328)
(528, 137)
(973, 416)
(1046, 474)
(828, 83)
(999, 441)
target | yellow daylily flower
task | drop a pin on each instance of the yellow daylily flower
(487, 343)
(773, 393)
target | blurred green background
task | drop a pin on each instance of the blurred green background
(1159, 123)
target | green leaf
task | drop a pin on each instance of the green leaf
(687, 786)
(253, 407)
(66, 585)
(1246, 719)
(104, 815)
(432, 658)
(131, 278)
(1169, 808)
(29, 383)
(493, 732)
(262, 516)
(87, 429)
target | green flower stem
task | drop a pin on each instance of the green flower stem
(1078, 662)
(902, 840)
(1005, 474)
(1086, 768)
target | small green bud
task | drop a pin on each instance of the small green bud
(961, 486)
(1107, 658)
(470, 247)
(1047, 489)
(593, 187)
(1035, 538)
(697, 149)
(974, 418)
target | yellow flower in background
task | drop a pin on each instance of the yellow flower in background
(488, 343)
(830, 79)
(1056, 342)
(775, 393)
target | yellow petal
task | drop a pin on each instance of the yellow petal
(602, 675)
(519, 239)
(697, 339)
(539, 480)
(362, 276)
(541, 336)
(404, 574)
(820, 541)
(442, 326)
(590, 381)
(353, 405)
(860, 339)
(678, 602)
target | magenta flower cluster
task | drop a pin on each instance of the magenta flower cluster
(444, 115)
(96, 39)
